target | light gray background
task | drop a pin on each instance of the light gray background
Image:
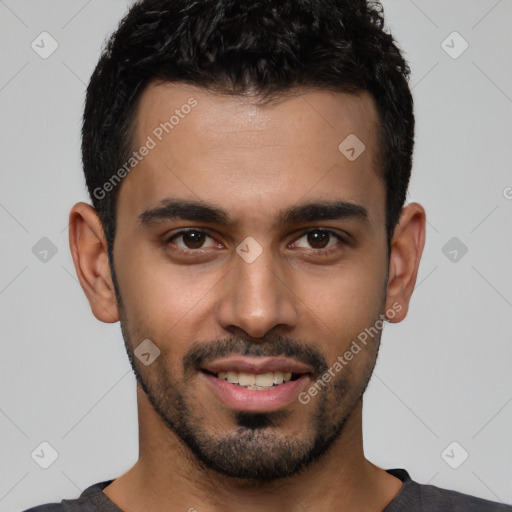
(443, 375)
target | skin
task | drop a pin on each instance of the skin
(253, 161)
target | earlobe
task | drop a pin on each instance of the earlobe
(406, 249)
(89, 251)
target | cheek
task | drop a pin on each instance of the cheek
(162, 300)
(344, 302)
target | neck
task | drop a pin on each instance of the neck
(167, 476)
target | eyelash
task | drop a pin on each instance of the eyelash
(317, 252)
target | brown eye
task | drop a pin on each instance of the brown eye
(193, 239)
(319, 239)
(190, 239)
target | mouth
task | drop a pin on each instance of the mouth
(257, 381)
(256, 384)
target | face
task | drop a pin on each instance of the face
(249, 244)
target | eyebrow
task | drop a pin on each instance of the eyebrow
(199, 211)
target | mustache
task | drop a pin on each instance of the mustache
(270, 346)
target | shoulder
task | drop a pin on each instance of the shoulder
(436, 498)
(92, 499)
(49, 507)
(415, 497)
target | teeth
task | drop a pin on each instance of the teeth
(231, 377)
(264, 379)
(278, 377)
(246, 379)
(255, 381)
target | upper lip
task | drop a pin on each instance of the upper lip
(256, 365)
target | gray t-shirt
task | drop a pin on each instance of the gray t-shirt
(412, 497)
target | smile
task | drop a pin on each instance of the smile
(252, 397)
(260, 381)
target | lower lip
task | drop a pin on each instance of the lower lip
(254, 400)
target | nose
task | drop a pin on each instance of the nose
(257, 297)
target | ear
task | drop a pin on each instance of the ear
(406, 250)
(89, 251)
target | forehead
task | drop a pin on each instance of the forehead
(255, 158)
(215, 114)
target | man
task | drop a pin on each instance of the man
(248, 163)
